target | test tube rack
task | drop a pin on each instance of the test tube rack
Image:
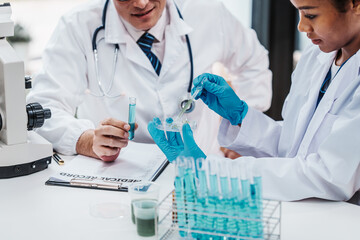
(168, 226)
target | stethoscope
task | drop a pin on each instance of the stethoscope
(106, 93)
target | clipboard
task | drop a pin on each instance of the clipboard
(139, 162)
(99, 183)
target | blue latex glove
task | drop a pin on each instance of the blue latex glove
(219, 96)
(171, 146)
(191, 149)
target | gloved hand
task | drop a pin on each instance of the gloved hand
(191, 149)
(219, 96)
(172, 146)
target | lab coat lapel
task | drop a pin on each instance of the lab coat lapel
(345, 80)
(307, 110)
(175, 39)
(335, 89)
(134, 53)
(173, 48)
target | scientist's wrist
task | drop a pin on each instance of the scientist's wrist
(241, 114)
(84, 145)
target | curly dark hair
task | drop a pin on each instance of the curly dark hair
(342, 5)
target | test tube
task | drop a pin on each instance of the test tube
(245, 183)
(179, 195)
(257, 183)
(213, 197)
(190, 192)
(202, 190)
(202, 194)
(239, 207)
(224, 178)
(256, 200)
(132, 106)
(235, 181)
(233, 207)
(225, 207)
(213, 179)
(244, 202)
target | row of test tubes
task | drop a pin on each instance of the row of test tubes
(217, 199)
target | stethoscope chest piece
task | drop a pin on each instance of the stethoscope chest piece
(190, 108)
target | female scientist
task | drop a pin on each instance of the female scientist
(314, 151)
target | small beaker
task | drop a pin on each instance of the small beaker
(141, 191)
(146, 217)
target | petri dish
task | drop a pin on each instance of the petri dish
(175, 126)
(108, 210)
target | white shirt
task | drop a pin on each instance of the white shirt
(158, 31)
(69, 75)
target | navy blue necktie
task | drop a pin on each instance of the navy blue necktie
(145, 42)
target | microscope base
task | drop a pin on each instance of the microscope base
(24, 169)
(26, 158)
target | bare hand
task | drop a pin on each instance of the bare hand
(230, 153)
(106, 141)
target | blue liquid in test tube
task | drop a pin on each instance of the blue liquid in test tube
(244, 202)
(213, 200)
(256, 200)
(202, 194)
(233, 225)
(132, 106)
(214, 203)
(258, 188)
(224, 200)
(179, 195)
(254, 209)
(190, 191)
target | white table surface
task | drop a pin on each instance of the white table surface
(31, 210)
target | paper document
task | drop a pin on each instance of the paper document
(136, 162)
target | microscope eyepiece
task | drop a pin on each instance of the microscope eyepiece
(36, 115)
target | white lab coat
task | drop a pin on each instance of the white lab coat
(309, 154)
(68, 70)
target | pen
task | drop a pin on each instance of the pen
(57, 159)
(91, 184)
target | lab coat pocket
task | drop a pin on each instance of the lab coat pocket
(322, 132)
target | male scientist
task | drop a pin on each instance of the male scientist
(104, 52)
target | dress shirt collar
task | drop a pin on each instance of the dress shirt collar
(157, 31)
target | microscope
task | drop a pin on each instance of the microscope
(22, 151)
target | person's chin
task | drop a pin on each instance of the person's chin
(326, 49)
(144, 26)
